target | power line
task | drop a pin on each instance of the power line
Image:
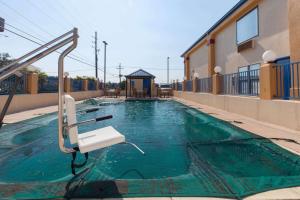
(33, 41)
(27, 19)
(69, 56)
(36, 25)
(30, 35)
(155, 67)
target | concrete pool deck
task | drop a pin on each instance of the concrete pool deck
(254, 126)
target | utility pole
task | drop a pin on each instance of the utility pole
(120, 74)
(105, 44)
(96, 54)
(168, 63)
(2, 22)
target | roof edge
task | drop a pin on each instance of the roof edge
(150, 75)
(228, 14)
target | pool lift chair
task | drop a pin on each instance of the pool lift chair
(92, 140)
(86, 142)
(68, 125)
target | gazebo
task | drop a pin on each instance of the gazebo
(139, 83)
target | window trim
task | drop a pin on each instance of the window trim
(236, 28)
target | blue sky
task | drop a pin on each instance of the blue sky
(140, 33)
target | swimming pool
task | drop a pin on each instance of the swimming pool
(188, 153)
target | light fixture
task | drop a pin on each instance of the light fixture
(66, 74)
(269, 56)
(196, 75)
(184, 78)
(218, 69)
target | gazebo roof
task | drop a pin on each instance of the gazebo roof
(140, 74)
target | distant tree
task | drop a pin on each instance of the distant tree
(5, 59)
(122, 85)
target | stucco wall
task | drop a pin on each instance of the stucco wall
(279, 112)
(273, 34)
(199, 62)
(138, 84)
(31, 101)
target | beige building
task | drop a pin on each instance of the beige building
(238, 40)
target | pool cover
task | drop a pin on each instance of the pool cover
(188, 153)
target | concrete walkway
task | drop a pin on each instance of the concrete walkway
(257, 127)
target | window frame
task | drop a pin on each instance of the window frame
(236, 26)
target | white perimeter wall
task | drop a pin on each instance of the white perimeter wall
(23, 102)
(279, 112)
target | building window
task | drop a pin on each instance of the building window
(247, 27)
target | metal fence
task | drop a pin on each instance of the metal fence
(241, 83)
(48, 84)
(7, 84)
(92, 85)
(189, 85)
(76, 85)
(287, 80)
(179, 86)
(204, 85)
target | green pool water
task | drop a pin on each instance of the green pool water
(188, 153)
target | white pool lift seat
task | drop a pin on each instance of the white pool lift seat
(92, 140)
(99, 138)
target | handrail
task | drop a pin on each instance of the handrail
(34, 51)
(39, 56)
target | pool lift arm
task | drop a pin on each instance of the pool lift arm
(17, 65)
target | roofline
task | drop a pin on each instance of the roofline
(129, 75)
(228, 14)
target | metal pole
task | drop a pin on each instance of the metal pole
(120, 74)
(168, 59)
(61, 92)
(105, 44)
(96, 54)
(9, 99)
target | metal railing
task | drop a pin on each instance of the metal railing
(179, 86)
(241, 83)
(48, 84)
(76, 85)
(287, 80)
(189, 85)
(7, 84)
(204, 85)
(92, 85)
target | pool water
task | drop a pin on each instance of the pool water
(188, 153)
